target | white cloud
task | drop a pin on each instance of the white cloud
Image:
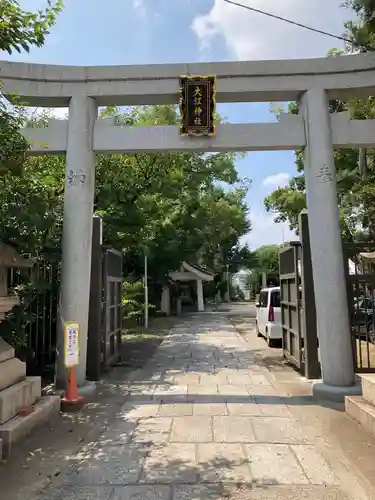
(277, 180)
(249, 35)
(266, 232)
(140, 8)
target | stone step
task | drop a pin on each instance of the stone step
(362, 412)
(45, 408)
(15, 397)
(6, 351)
(11, 371)
(368, 387)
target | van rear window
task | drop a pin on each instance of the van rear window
(275, 298)
(263, 299)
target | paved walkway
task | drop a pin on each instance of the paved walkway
(203, 421)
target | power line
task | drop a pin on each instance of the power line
(289, 21)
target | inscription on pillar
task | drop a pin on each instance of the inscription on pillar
(72, 177)
(324, 175)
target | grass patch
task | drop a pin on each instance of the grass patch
(139, 335)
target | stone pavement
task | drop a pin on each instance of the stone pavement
(202, 421)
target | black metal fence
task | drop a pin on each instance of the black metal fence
(300, 344)
(360, 277)
(31, 326)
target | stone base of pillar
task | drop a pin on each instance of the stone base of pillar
(335, 393)
(88, 391)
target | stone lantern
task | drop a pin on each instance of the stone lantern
(9, 258)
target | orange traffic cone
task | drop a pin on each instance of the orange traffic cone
(72, 401)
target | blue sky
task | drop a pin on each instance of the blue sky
(93, 32)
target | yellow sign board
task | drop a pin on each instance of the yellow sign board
(71, 344)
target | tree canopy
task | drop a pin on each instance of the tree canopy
(356, 184)
(175, 206)
(265, 260)
(178, 206)
(19, 30)
(22, 29)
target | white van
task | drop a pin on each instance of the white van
(268, 320)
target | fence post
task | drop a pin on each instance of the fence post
(309, 323)
(95, 308)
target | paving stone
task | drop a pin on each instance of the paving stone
(250, 408)
(187, 378)
(259, 379)
(220, 462)
(202, 390)
(111, 465)
(261, 390)
(153, 430)
(175, 410)
(133, 411)
(168, 376)
(210, 409)
(256, 369)
(142, 492)
(213, 378)
(141, 391)
(314, 465)
(171, 393)
(197, 492)
(274, 464)
(173, 463)
(120, 432)
(191, 430)
(203, 394)
(278, 430)
(233, 430)
(78, 493)
(273, 406)
(230, 491)
(233, 390)
(238, 377)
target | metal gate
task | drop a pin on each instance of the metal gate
(290, 303)
(298, 314)
(112, 310)
(105, 314)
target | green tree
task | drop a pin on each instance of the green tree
(356, 186)
(169, 203)
(19, 30)
(266, 260)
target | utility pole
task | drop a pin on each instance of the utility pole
(228, 290)
(146, 291)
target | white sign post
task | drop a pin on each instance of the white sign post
(71, 344)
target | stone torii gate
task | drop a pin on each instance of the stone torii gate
(311, 82)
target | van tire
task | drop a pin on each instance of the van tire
(273, 342)
(257, 329)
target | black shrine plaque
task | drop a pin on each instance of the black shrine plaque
(197, 105)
